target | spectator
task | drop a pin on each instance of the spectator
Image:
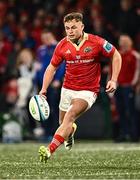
(11, 70)
(125, 94)
(137, 104)
(5, 49)
(36, 31)
(127, 18)
(26, 68)
(25, 38)
(3, 9)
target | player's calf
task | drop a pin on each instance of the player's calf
(70, 142)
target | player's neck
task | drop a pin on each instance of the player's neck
(78, 40)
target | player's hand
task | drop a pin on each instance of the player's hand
(111, 86)
(43, 93)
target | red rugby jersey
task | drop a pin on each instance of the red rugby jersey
(83, 69)
(130, 68)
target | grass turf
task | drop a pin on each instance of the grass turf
(87, 160)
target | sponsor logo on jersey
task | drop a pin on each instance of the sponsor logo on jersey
(88, 49)
(76, 61)
(107, 46)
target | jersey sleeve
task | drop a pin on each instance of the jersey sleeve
(106, 48)
(57, 56)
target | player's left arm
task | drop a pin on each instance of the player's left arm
(116, 67)
(108, 50)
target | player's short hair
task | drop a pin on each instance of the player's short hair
(74, 15)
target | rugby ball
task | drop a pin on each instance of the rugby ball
(39, 108)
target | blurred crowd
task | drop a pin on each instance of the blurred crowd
(29, 32)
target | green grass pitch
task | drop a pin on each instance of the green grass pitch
(87, 160)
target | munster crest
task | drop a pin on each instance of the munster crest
(87, 49)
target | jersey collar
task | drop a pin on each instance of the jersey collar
(85, 37)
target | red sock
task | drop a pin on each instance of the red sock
(56, 142)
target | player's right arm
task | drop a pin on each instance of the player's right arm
(51, 69)
(47, 79)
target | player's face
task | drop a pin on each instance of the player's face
(125, 42)
(74, 29)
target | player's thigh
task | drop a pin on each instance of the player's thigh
(77, 107)
(61, 116)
